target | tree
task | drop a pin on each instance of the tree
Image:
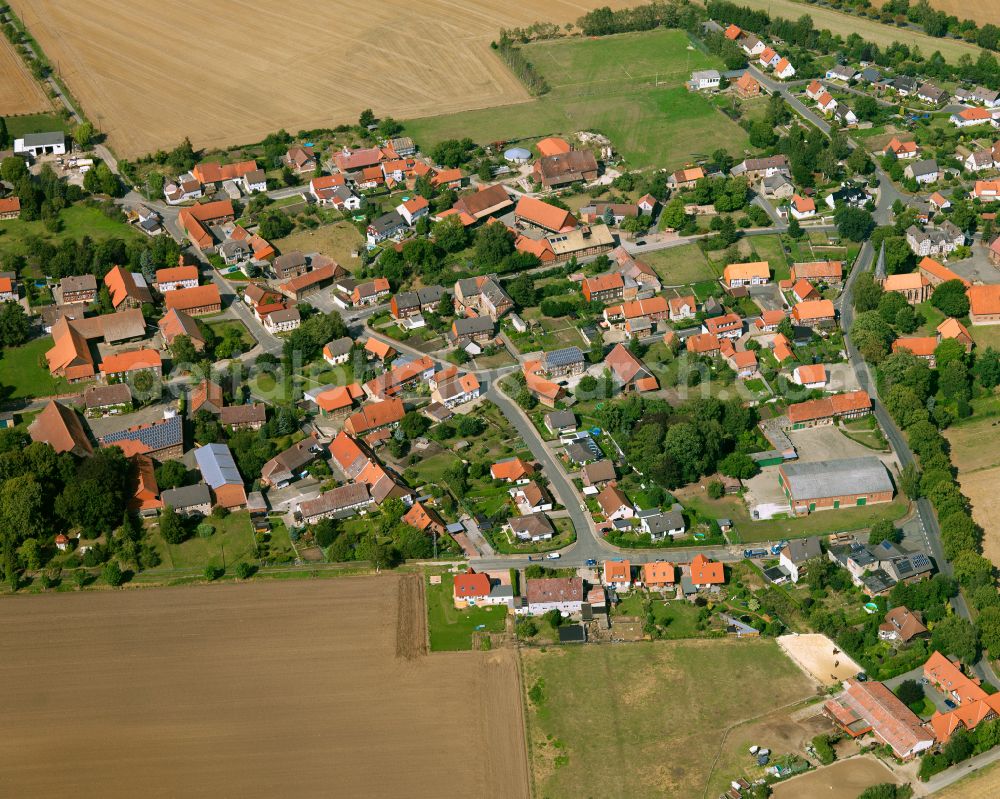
(377, 552)
(673, 215)
(987, 368)
(366, 118)
(171, 527)
(112, 574)
(953, 380)
(884, 530)
(738, 464)
(4, 134)
(866, 108)
(855, 224)
(493, 244)
(450, 234)
(244, 570)
(972, 569)
(954, 635)
(83, 134)
(950, 298)
(275, 225)
(794, 228)
(716, 490)
(884, 790)
(909, 481)
(910, 692)
(14, 325)
(762, 135)
(183, 350)
(988, 625)
(413, 425)
(871, 335)
(867, 293)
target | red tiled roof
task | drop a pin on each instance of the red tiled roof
(471, 585)
(706, 572)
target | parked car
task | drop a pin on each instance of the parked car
(553, 556)
(950, 705)
(591, 562)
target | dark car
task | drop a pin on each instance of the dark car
(950, 705)
(591, 562)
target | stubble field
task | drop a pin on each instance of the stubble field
(980, 13)
(231, 71)
(262, 689)
(978, 462)
(20, 93)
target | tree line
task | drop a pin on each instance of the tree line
(522, 68)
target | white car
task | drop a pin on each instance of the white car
(553, 556)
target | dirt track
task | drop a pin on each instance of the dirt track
(20, 93)
(231, 71)
(264, 689)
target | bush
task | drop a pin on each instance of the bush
(244, 570)
(112, 574)
(716, 490)
(825, 753)
(212, 573)
(205, 530)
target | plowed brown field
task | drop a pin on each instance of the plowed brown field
(231, 71)
(262, 689)
(19, 91)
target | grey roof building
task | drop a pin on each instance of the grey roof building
(105, 396)
(217, 466)
(184, 498)
(844, 477)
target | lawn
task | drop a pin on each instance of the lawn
(77, 220)
(769, 248)
(679, 618)
(18, 126)
(645, 719)
(450, 628)
(221, 327)
(986, 336)
(820, 523)
(628, 87)
(231, 543)
(337, 241)
(24, 376)
(680, 266)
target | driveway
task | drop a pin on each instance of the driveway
(768, 297)
(978, 268)
(826, 443)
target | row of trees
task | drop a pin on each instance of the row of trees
(513, 56)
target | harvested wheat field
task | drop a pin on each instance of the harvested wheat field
(980, 13)
(229, 72)
(20, 93)
(818, 657)
(983, 783)
(978, 462)
(262, 689)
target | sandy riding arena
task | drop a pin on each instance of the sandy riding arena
(814, 654)
(843, 780)
(20, 93)
(229, 72)
(316, 688)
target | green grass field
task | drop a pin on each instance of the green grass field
(23, 375)
(232, 542)
(768, 248)
(608, 85)
(986, 336)
(78, 221)
(680, 266)
(451, 629)
(645, 719)
(19, 126)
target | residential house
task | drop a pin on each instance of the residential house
(925, 171)
(127, 289)
(728, 325)
(110, 400)
(559, 422)
(769, 321)
(289, 265)
(802, 207)
(810, 376)
(563, 169)
(10, 207)
(387, 226)
(654, 309)
(512, 470)
(750, 44)
(784, 69)
(582, 242)
(659, 525)
(531, 498)
(628, 371)
(658, 575)
(852, 196)
(281, 319)
(298, 288)
(184, 276)
(921, 346)
(603, 288)
(206, 396)
(903, 150)
(284, 467)
(974, 704)
(375, 416)
(162, 440)
(987, 191)
(851, 405)
(371, 292)
(300, 159)
(486, 202)
(742, 362)
(614, 504)
(970, 117)
(930, 93)
(844, 115)
(904, 85)
(218, 469)
(565, 361)
(953, 329)
(756, 273)
(815, 90)
(424, 519)
(128, 364)
(746, 86)
(598, 473)
(796, 553)
(680, 308)
(250, 416)
(939, 202)
(340, 502)
(685, 178)
(979, 160)
(470, 588)
(768, 58)
(777, 187)
(197, 221)
(901, 624)
(755, 169)
(412, 303)
(564, 594)
(814, 313)
(456, 390)
(482, 296)
(841, 72)
(532, 527)
(413, 209)
(803, 290)
(705, 573)
(703, 344)
(338, 351)
(939, 240)
(193, 500)
(404, 374)
(478, 329)
(617, 574)
(826, 103)
(71, 356)
(78, 289)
